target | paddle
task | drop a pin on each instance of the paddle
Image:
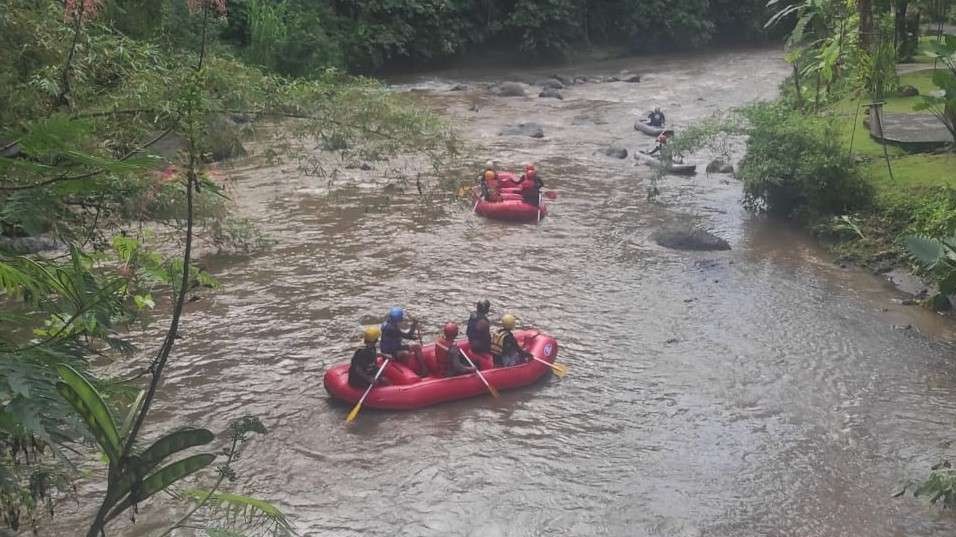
(559, 369)
(539, 206)
(494, 392)
(358, 406)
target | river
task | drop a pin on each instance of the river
(759, 391)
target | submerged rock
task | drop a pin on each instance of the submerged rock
(689, 238)
(616, 151)
(631, 78)
(719, 166)
(511, 89)
(549, 93)
(458, 87)
(534, 130)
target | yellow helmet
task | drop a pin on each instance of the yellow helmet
(489, 175)
(508, 321)
(371, 334)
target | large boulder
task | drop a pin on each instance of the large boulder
(719, 166)
(550, 83)
(534, 130)
(686, 237)
(550, 93)
(615, 151)
(511, 89)
(908, 91)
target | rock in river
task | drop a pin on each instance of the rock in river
(719, 166)
(550, 83)
(686, 237)
(534, 130)
(511, 89)
(615, 151)
(549, 93)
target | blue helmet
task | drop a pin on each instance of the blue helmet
(396, 314)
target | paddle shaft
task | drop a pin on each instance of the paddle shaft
(374, 380)
(477, 371)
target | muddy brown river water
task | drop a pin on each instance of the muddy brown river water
(760, 391)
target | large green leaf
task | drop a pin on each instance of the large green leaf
(162, 479)
(926, 251)
(90, 406)
(170, 444)
(239, 507)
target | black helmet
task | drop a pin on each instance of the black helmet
(483, 306)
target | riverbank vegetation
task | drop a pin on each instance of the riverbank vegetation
(91, 95)
(820, 154)
(815, 155)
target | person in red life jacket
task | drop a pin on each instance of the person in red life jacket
(448, 357)
(392, 345)
(363, 368)
(531, 185)
(505, 346)
(662, 140)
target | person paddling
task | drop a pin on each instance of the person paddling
(505, 348)
(363, 368)
(393, 346)
(448, 357)
(662, 140)
(656, 118)
(531, 185)
(488, 181)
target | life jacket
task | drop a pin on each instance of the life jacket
(441, 365)
(391, 338)
(662, 138)
(498, 342)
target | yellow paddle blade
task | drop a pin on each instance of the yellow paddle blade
(560, 369)
(354, 413)
(494, 392)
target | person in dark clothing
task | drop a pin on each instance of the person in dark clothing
(505, 348)
(479, 329)
(448, 356)
(531, 185)
(393, 346)
(656, 118)
(363, 368)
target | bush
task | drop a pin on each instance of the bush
(796, 168)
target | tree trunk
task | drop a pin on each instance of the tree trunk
(865, 10)
(796, 84)
(899, 35)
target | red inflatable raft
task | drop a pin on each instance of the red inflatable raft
(512, 207)
(408, 391)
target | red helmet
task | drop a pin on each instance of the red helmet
(450, 330)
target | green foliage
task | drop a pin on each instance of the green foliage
(243, 513)
(944, 106)
(795, 168)
(940, 487)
